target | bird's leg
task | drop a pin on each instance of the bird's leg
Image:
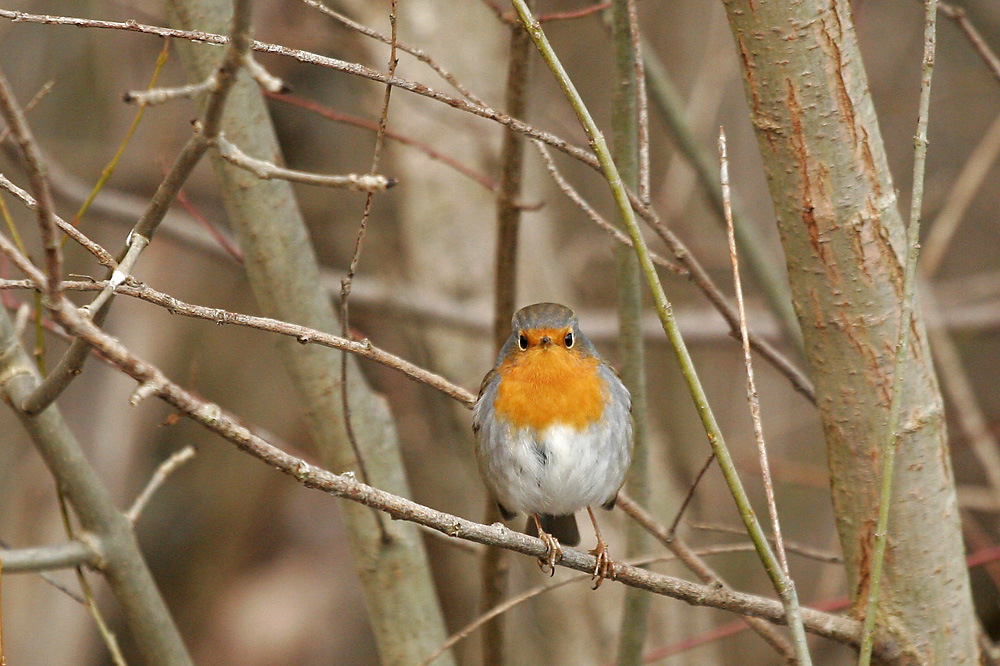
(604, 568)
(554, 553)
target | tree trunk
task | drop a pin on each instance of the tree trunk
(844, 244)
(284, 275)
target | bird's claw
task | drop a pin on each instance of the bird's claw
(553, 553)
(604, 567)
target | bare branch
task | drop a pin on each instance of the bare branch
(35, 166)
(752, 397)
(216, 419)
(789, 597)
(698, 275)
(155, 96)
(166, 468)
(266, 171)
(205, 132)
(693, 561)
(594, 216)
(958, 15)
(103, 256)
(47, 558)
(415, 52)
(264, 78)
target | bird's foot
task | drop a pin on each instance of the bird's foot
(553, 553)
(604, 568)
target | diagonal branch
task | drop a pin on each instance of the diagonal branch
(206, 130)
(12, 114)
(216, 419)
(699, 275)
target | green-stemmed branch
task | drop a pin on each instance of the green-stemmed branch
(665, 311)
(903, 342)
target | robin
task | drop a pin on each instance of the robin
(553, 430)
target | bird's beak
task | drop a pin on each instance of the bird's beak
(546, 341)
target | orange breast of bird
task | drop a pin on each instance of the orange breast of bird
(546, 386)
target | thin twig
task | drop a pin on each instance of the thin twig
(583, 12)
(881, 533)
(396, 44)
(974, 172)
(699, 276)
(573, 195)
(790, 546)
(264, 78)
(752, 398)
(166, 468)
(689, 495)
(790, 599)
(425, 148)
(156, 96)
(226, 242)
(35, 166)
(103, 257)
(368, 182)
(346, 282)
(958, 15)
(700, 568)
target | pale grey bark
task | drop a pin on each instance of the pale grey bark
(109, 530)
(284, 276)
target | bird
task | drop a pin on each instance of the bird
(553, 430)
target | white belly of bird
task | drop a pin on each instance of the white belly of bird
(561, 470)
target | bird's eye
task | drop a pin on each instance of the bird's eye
(569, 340)
(522, 341)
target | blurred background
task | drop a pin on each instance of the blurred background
(256, 567)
